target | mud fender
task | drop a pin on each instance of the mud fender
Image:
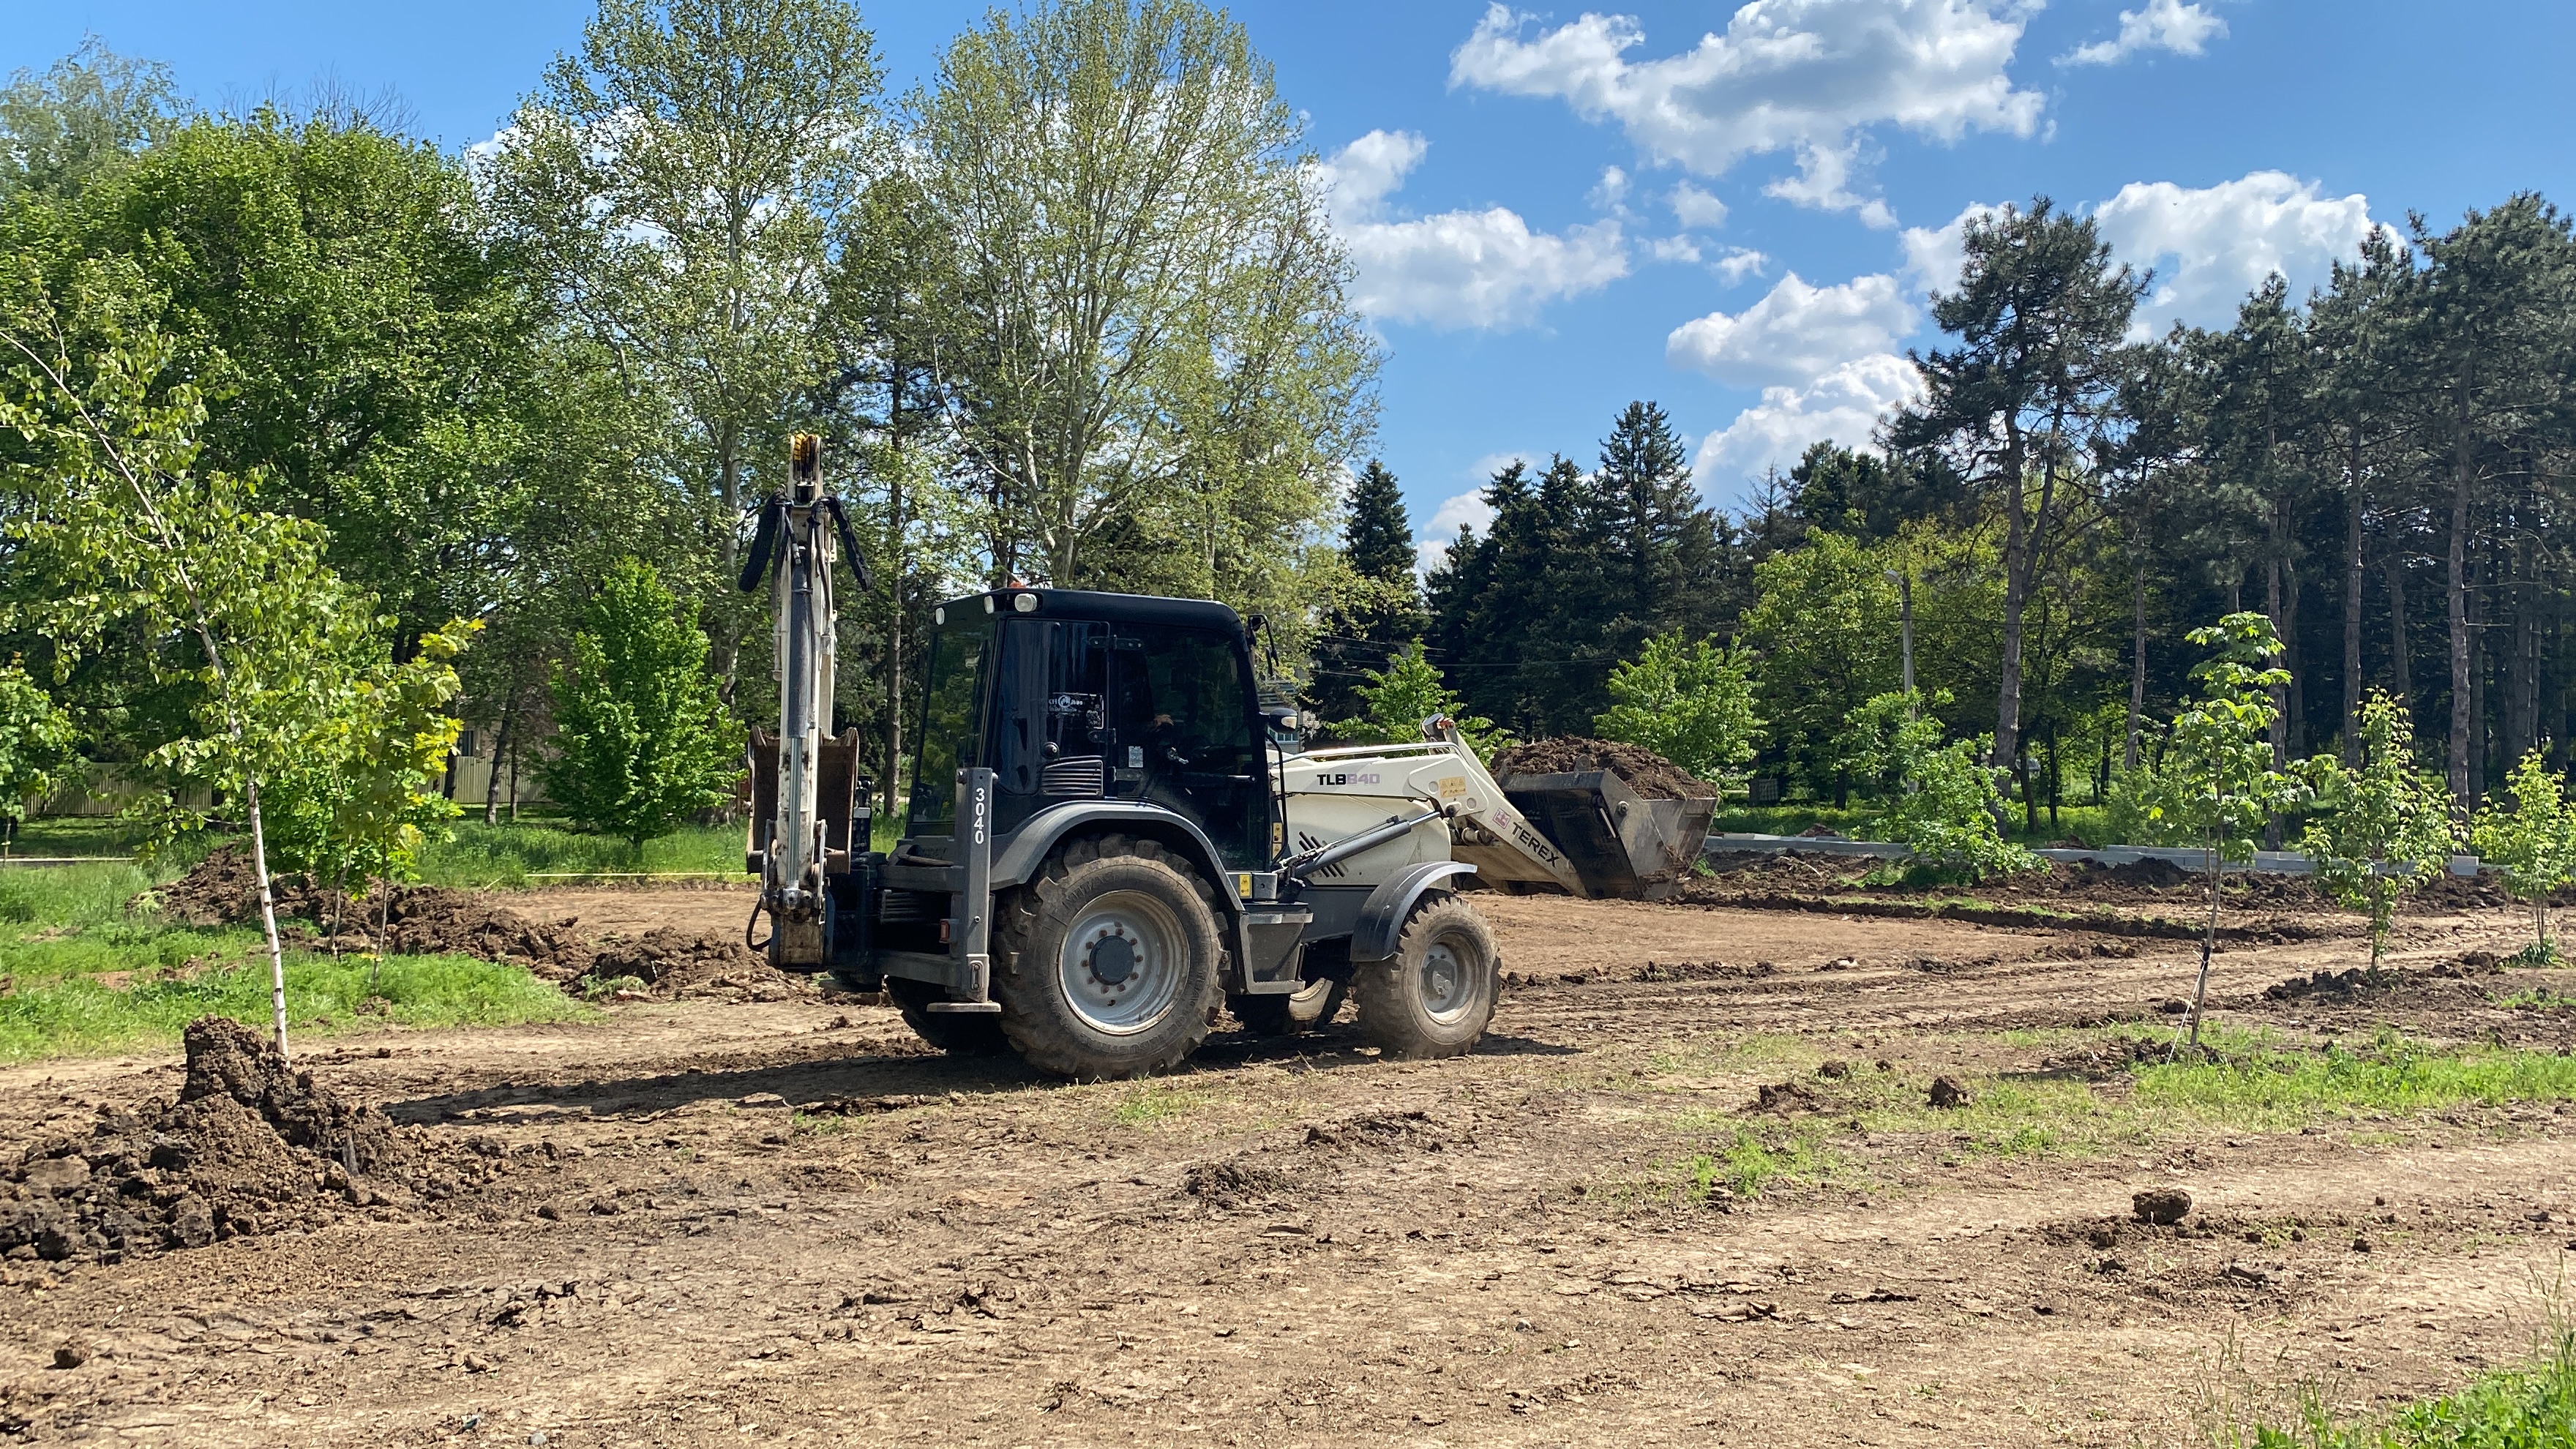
(1019, 860)
(1383, 915)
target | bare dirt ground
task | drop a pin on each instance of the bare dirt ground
(700, 1223)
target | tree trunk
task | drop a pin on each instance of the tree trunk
(501, 743)
(2137, 664)
(2352, 610)
(2479, 665)
(268, 916)
(2280, 702)
(2462, 456)
(2401, 673)
(894, 599)
(2017, 550)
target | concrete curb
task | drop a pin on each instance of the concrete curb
(2265, 862)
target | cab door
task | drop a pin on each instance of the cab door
(1183, 730)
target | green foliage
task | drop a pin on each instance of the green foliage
(2216, 787)
(1939, 800)
(2384, 826)
(1577, 572)
(89, 112)
(36, 741)
(1399, 698)
(2531, 838)
(1826, 625)
(1692, 703)
(643, 743)
(359, 804)
(507, 854)
(1165, 364)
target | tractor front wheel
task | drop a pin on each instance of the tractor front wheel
(1435, 995)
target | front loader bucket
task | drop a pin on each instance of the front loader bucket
(1620, 843)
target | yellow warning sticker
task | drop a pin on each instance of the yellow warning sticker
(1453, 787)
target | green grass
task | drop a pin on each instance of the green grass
(2525, 1408)
(59, 835)
(79, 1014)
(80, 973)
(1755, 1159)
(509, 853)
(1157, 1102)
(2254, 1084)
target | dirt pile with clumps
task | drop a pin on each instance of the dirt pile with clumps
(223, 890)
(676, 963)
(250, 1147)
(1639, 768)
(663, 963)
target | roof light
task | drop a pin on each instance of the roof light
(1025, 603)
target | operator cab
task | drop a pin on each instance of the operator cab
(1073, 696)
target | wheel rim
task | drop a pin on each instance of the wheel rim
(1120, 969)
(1447, 979)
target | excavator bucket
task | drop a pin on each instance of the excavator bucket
(1620, 843)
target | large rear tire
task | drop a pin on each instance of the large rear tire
(958, 1033)
(1109, 964)
(1435, 995)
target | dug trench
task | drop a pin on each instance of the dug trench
(701, 1221)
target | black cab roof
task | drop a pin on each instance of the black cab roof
(1103, 608)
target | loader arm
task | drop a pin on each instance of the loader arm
(1485, 830)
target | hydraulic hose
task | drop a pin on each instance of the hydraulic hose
(764, 541)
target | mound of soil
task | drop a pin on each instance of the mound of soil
(250, 1147)
(2154, 872)
(440, 921)
(1639, 768)
(224, 890)
(675, 963)
(2359, 982)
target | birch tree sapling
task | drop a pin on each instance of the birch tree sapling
(134, 532)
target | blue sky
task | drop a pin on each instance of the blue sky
(1733, 212)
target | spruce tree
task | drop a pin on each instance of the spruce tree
(1380, 611)
(1668, 539)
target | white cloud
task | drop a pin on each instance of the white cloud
(1795, 333)
(1739, 263)
(1934, 255)
(1479, 269)
(1611, 195)
(1694, 207)
(1432, 547)
(1360, 177)
(1807, 76)
(1823, 181)
(1673, 249)
(1844, 405)
(2212, 245)
(2176, 25)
